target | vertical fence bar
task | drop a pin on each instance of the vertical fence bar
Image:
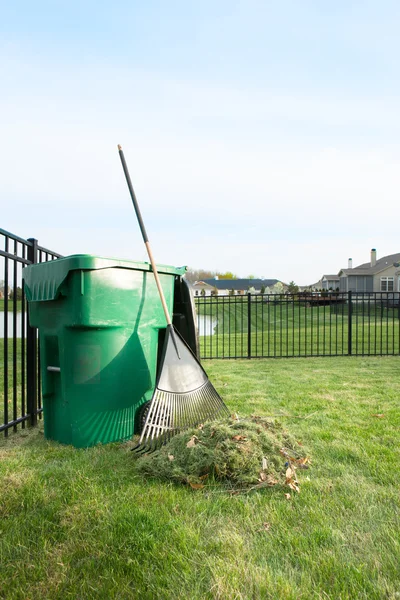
(6, 248)
(248, 325)
(31, 345)
(229, 326)
(262, 324)
(349, 323)
(369, 323)
(387, 323)
(310, 306)
(269, 324)
(14, 344)
(23, 327)
(330, 323)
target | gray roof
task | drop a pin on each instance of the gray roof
(366, 269)
(240, 284)
(331, 277)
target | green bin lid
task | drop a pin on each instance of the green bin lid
(43, 280)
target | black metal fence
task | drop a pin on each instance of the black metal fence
(20, 398)
(290, 325)
(246, 326)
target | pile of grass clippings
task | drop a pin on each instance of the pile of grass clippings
(246, 453)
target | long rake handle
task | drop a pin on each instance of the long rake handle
(144, 235)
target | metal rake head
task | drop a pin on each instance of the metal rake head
(169, 414)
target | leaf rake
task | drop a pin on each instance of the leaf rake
(183, 397)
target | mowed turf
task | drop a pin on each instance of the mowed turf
(84, 524)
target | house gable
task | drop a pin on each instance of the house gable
(383, 275)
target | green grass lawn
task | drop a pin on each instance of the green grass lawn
(10, 305)
(82, 524)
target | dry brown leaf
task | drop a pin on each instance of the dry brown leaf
(235, 417)
(192, 442)
(264, 465)
(287, 496)
(239, 438)
(294, 486)
(171, 457)
(265, 527)
(263, 476)
(271, 480)
(379, 415)
(203, 477)
(196, 486)
(290, 474)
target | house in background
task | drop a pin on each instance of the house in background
(221, 287)
(330, 282)
(377, 275)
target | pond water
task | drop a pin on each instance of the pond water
(10, 323)
(206, 325)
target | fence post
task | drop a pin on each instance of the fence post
(249, 325)
(349, 327)
(31, 351)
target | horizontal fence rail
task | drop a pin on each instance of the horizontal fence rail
(20, 398)
(291, 325)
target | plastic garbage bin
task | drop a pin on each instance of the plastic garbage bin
(99, 321)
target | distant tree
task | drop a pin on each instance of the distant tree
(193, 275)
(278, 288)
(293, 288)
(227, 275)
(17, 294)
(250, 277)
(231, 292)
(214, 292)
(262, 290)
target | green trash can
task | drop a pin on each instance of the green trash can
(99, 322)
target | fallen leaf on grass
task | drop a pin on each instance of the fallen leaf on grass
(291, 480)
(192, 442)
(287, 496)
(379, 415)
(289, 474)
(301, 463)
(267, 478)
(265, 527)
(196, 486)
(294, 486)
(171, 457)
(239, 438)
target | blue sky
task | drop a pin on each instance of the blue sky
(261, 137)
